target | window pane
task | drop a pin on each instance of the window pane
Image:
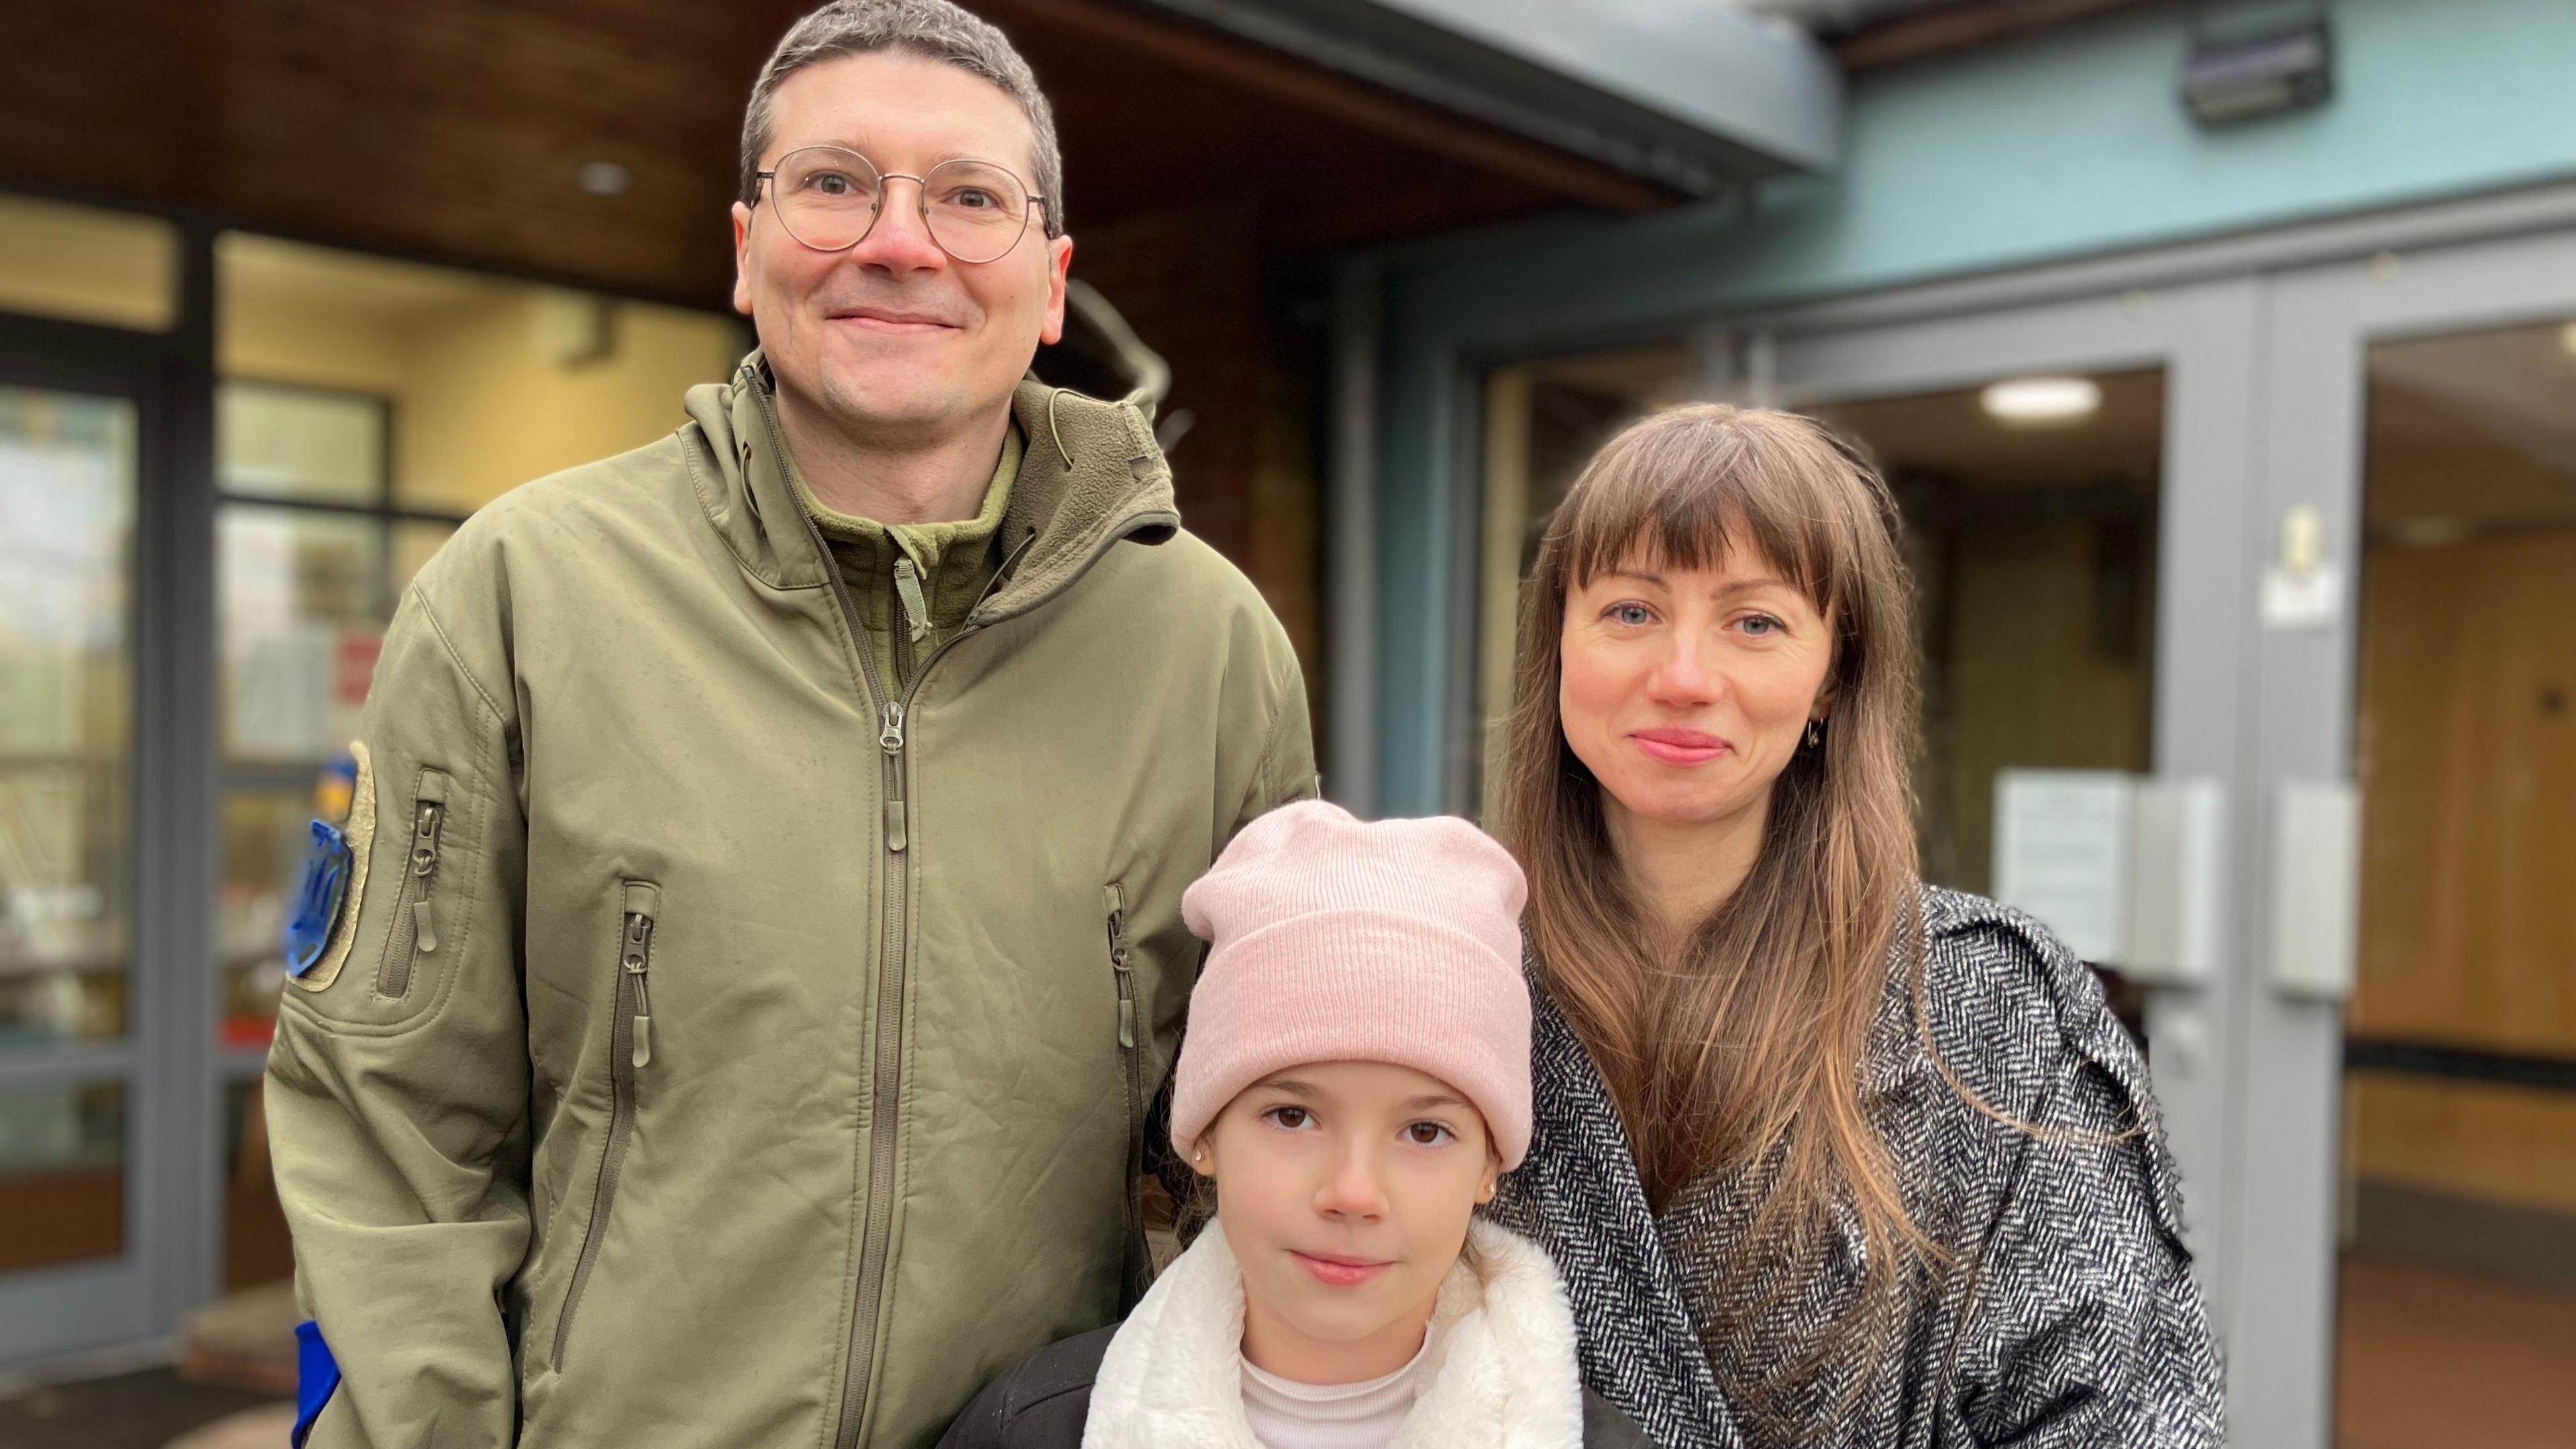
(413, 544)
(66, 689)
(286, 442)
(62, 1174)
(265, 834)
(491, 381)
(88, 265)
(303, 613)
(2459, 1169)
(2033, 543)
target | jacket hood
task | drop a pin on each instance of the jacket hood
(1504, 1374)
(1090, 476)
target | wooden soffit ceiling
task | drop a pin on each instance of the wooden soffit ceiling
(455, 130)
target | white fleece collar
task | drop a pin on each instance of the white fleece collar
(1503, 1335)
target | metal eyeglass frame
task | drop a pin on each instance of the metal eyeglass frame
(921, 189)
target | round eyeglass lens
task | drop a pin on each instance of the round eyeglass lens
(826, 197)
(976, 210)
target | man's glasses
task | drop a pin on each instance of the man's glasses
(829, 198)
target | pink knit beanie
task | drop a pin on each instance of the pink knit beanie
(1338, 941)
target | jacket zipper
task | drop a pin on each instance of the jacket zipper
(630, 1049)
(1138, 1270)
(415, 928)
(888, 1078)
(887, 1082)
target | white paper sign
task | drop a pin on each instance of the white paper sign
(2305, 599)
(2062, 844)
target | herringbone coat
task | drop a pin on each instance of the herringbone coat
(2064, 1313)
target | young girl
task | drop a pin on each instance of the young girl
(1354, 1080)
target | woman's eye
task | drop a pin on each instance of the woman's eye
(1633, 616)
(1759, 625)
(1427, 1134)
(1292, 1118)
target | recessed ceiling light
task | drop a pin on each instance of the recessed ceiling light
(602, 178)
(2039, 400)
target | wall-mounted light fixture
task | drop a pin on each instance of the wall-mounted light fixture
(2261, 66)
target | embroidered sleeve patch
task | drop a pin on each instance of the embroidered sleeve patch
(325, 925)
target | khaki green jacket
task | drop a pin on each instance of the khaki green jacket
(717, 1051)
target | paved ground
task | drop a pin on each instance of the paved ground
(130, 1411)
(2432, 1359)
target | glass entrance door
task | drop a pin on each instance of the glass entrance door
(76, 1239)
(2073, 479)
(2410, 1144)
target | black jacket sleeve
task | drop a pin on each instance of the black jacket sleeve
(1038, 1403)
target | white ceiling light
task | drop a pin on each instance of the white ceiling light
(2042, 400)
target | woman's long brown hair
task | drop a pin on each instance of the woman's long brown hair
(1742, 1049)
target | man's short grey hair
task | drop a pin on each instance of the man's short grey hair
(932, 29)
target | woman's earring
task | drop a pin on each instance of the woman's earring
(1815, 734)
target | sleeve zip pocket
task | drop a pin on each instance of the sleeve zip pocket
(1138, 1268)
(415, 929)
(630, 1050)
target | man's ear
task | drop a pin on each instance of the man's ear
(742, 258)
(1059, 267)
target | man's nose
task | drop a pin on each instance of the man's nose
(900, 241)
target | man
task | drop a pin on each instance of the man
(763, 930)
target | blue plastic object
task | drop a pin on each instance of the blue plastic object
(317, 1376)
(318, 899)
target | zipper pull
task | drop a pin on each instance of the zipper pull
(1122, 961)
(890, 733)
(907, 588)
(424, 864)
(897, 837)
(424, 837)
(638, 961)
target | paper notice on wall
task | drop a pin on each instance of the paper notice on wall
(2062, 845)
(2309, 598)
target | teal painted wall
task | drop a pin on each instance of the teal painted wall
(2059, 145)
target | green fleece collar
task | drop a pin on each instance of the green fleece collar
(927, 543)
(1090, 475)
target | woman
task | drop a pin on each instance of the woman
(1828, 1156)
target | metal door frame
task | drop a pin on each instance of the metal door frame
(166, 1060)
(2313, 378)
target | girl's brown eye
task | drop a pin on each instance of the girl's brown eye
(1427, 1134)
